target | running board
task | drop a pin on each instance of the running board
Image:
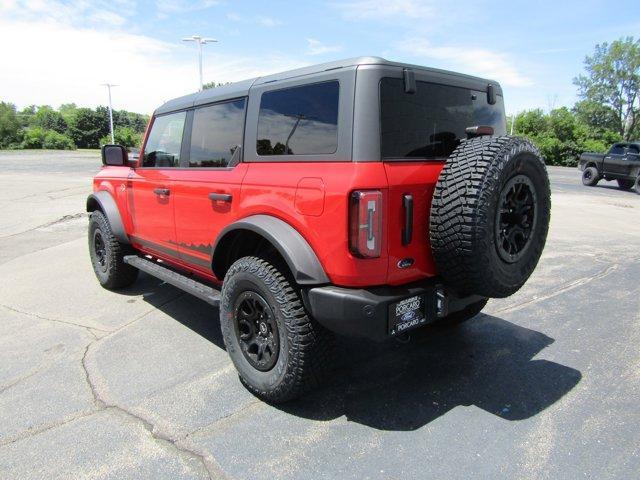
(189, 285)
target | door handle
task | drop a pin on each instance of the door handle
(162, 192)
(407, 231)
(221, 197)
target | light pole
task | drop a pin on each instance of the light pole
(109, 85)
(200, 41)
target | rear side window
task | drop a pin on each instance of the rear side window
(216, 134)
(431, 123)
(299, 120)
(165, 140)
(633, 150)
(617, 150)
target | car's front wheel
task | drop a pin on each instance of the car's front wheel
(107, 254)
(590, 176)
(277, 348)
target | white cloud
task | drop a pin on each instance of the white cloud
(167, 8)
(58, 63)
(269, 22)
(262, 20)
(316, 47)
(385, 9)
(471, 60)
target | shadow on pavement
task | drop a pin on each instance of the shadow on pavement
(190, 311)
(487, 362)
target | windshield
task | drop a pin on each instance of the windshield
(430, 123)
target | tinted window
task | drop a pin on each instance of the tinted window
(633, 150)
(431, 122)
(299, 121)
(164, 142)
(617, 150)
(216, 134)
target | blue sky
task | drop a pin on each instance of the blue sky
(61, 51)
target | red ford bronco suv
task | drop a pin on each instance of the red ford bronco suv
(361, 197)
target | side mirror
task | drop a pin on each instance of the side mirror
(114, 155)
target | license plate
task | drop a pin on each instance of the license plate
(407, 314)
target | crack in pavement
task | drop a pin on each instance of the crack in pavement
(30, 432)
(562, 289)
(64, 322)
(102, 402)
(64, 218)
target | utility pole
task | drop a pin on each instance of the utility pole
(200, 41)
(109, 85)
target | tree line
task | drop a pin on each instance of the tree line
(67, 128)
(608, 111)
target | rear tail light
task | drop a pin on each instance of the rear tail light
(365, 223)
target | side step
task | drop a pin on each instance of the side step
(189, 285)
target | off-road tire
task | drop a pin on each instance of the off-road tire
(590, 176)
(109, 266)
(306, 349)
(465, 314)
(625, 184)
(465, 209)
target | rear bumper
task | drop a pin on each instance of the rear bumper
(365, 312)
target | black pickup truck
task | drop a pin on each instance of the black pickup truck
(621, 163)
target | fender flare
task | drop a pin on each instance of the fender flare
(103, 201)
(295, 250)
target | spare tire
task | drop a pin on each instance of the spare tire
(490, 215)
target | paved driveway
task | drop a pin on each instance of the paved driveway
(95, 384)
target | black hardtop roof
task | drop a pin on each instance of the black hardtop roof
(241, 89)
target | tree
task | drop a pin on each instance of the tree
(125, 136)
(214, 85)
(10, 127)
(613, 81)
(87, 127)
(49, 119)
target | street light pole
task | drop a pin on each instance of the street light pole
(200, 41)
(109, 85)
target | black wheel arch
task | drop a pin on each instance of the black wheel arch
(104, 201)
(257, 232)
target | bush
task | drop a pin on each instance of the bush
(125, 136)
(57, 141)
(33, 138)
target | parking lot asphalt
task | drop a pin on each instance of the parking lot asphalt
(136, 384)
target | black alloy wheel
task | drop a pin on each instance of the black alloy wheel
(257, 330)
(100, 250)
(516, 218)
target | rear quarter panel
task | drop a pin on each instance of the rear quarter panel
(280, 190)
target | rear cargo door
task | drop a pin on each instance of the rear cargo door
(419, 130)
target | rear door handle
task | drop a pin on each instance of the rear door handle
(407, 231)
(221, 197)
(162, 192)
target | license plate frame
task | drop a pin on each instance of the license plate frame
(408, 314)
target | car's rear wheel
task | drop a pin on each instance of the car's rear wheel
(590, 176)
(107, 254)
(625, 184)
(490, 215)
(636, 186)
(277, 348)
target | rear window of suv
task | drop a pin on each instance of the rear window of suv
(299, 120)
(430, 123)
